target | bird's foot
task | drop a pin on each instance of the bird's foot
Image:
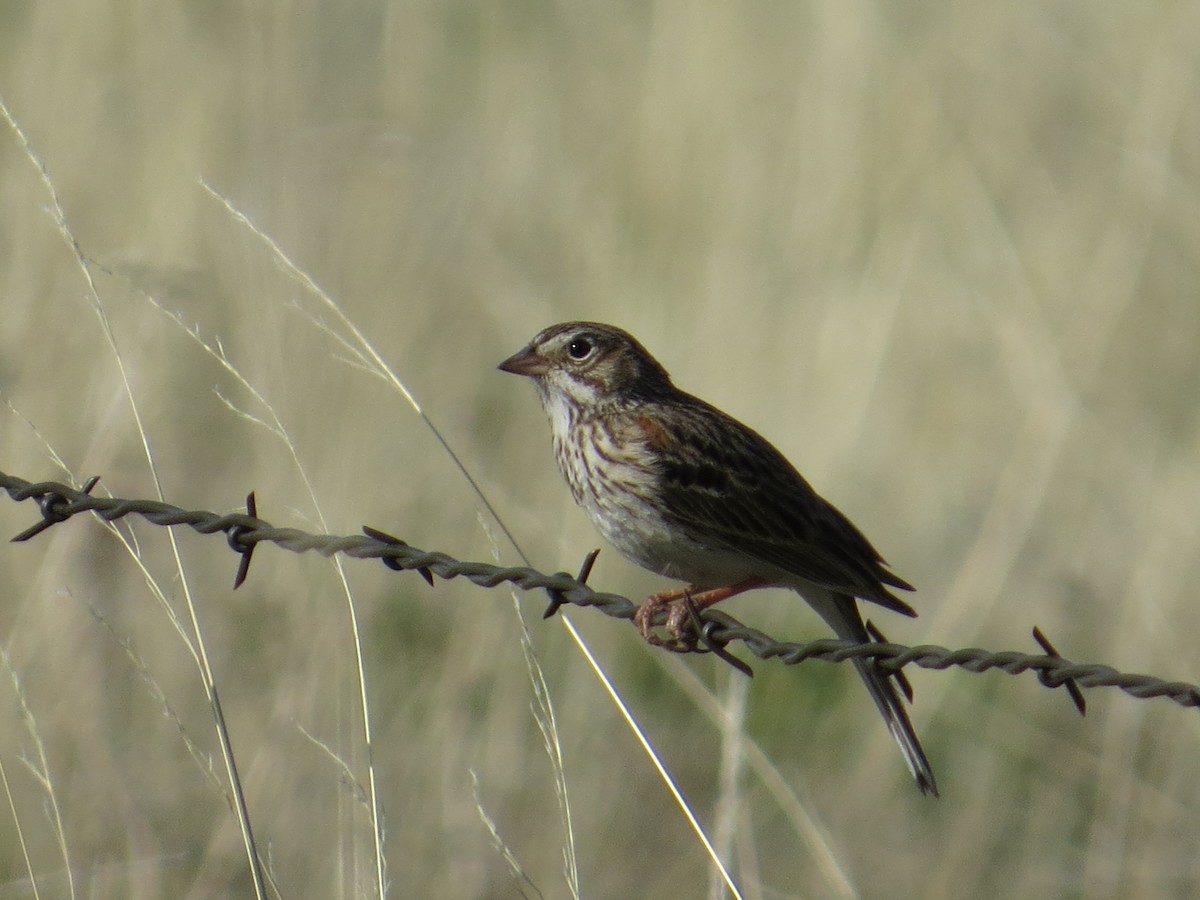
(682, 606)
(667, 608)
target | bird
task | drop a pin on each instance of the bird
(685, 490)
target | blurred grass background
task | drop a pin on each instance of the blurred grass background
(946, 257)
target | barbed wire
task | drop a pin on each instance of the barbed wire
(716, 629)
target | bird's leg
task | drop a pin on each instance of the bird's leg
(676, 602)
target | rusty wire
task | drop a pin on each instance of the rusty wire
(60, 502)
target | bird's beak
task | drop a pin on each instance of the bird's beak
(525, 361)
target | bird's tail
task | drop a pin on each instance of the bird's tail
(841, 613)
(883, 692)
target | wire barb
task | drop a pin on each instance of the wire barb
(243, 548)
(714, 646)
(55, 506)
(718, 628)
(1068, 683)
(902, 681)
(391, 562)
(556, 597)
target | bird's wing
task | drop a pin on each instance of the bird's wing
(728, 487)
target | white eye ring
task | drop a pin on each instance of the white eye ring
(580, 348)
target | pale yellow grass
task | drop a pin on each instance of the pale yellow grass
(946, 258)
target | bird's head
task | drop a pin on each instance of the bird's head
(589, 365)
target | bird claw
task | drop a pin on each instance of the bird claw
(679, 614)
(685, 629)
(678, 636)
(683, 607)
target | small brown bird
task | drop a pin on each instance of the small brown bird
(686, 491)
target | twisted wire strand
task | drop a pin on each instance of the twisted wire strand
(60, 502)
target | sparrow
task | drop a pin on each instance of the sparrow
(689, 492)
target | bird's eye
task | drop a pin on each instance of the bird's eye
(579, 348)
